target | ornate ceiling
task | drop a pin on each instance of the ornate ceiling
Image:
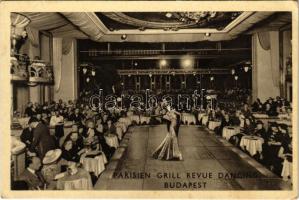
(167, 20)
(149, 26)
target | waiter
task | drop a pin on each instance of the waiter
(42, 140)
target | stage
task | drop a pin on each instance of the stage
(209, 163)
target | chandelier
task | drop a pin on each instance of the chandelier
(192, 17)
(198, 17)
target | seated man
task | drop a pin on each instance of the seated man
(32, 175)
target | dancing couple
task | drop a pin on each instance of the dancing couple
(169, 148)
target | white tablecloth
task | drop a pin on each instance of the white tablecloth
(125, 120)
(205, 120)
(24, 121)
(144, 119)
(79, 181)
(135, 118)
(287, 169)
(122, 125)
(188, 118)
(260, 115)
(229, 131)
(253, 144)
(200, 116)
(112, 141)
(119, 132)
(96, 164)
(214, 124)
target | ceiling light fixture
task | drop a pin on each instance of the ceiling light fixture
(207, 34)
(124, 37)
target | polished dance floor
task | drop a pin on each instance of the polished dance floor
(210, 163)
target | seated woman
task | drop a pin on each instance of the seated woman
(68, 153)
(77, 141)
(52, 164)
(110, 129)
(99, 125)
(96, 141)
(224, 122)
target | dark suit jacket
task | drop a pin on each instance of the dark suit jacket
(27, 137)
(42, 140)
(111, 130)
(33, 180)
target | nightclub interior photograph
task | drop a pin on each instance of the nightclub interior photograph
(151, 100)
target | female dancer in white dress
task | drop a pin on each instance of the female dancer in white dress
(169, 148)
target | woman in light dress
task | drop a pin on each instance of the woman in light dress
(169, 148)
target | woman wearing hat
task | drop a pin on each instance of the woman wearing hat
(52, 164)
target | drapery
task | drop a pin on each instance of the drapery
(274, 52)
(33, 36)
(57, 62)
(66, 45)
(264, 39)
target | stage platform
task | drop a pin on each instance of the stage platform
(209, 163)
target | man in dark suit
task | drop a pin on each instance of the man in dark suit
(32, 176)
(42, 140)
(27, 136)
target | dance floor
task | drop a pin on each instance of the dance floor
(209, 163)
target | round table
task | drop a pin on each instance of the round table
(95, 165)
(24, 121)
(119, 132)
(112, 140)
(135, 118)
(213, 124)
(200, 116)
(125, 120)
(229, 131)
(144, 119)
(188, 118)
(205, 120)
(253, 144)
(122, 125)
(79, 181)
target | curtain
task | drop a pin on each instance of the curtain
(66, 45)
(274, 51)
(57, 62)
(33, 36)
(264, 39)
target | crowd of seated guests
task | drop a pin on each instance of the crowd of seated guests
(271, 107)
(277, 139)
(45, 137)
(89, 129)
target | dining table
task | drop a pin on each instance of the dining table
(253, 144)
(95, 164)
(79, 181)
(229, 131)
(188, 118)
(112, 140)
(213, 124)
